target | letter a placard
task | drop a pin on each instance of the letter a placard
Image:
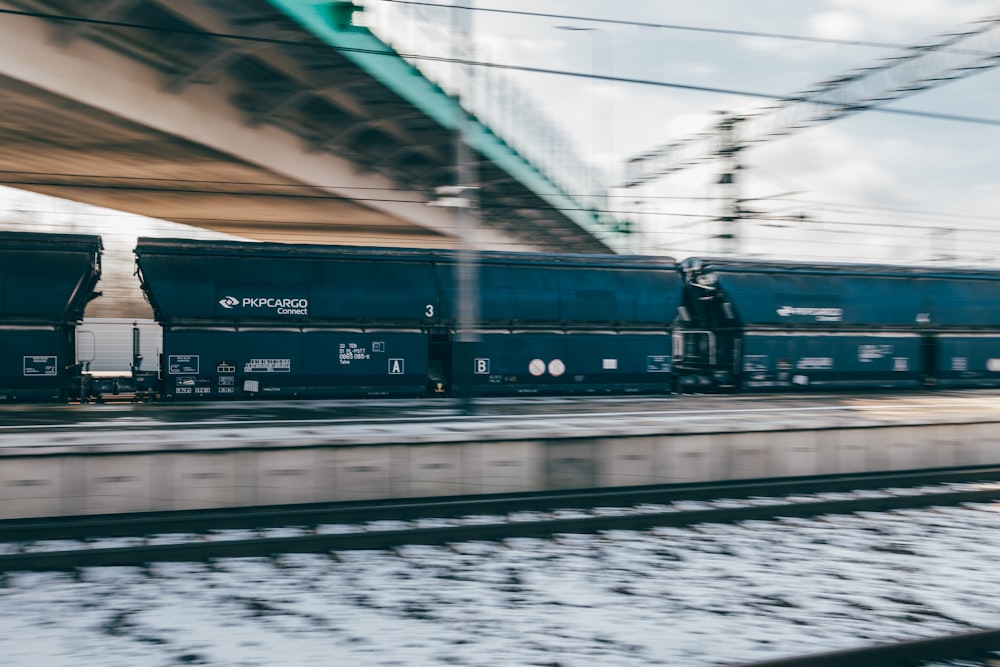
(395, 367)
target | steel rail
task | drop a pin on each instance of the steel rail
(145, 523)
(201, 548)
(970, 645)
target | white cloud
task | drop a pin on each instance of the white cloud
(837, 25)
(838, 163)
(896, 18)
(704, 69)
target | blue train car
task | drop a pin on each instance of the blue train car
(570, 324)
(46, 281)
(965, 323)
(264, 319)
(243, 319)
(778, 326)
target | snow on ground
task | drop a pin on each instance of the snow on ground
(709, 595)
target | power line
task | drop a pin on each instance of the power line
(750, 218)
(904, 211)
(280, 195)
(964, 248)
(821, 226)
(851, 244)
(290, 236)
(794, 245)
(672, 248)
(177, 190)
(195, 181)
(266, 184)
(869, 225)
(661, 26)
(508, 67)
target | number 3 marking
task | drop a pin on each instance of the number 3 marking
(430, 311)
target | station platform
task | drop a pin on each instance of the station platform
(92, 459)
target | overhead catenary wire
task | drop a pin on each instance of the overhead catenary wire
(902, 233)
(633, 197)
(905, 231)
(322, 186)
(901, 211)
(639, 200)
(695, 219)
(833, 245)
(904, 243)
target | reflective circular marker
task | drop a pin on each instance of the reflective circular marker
(557, 367)
(536, 367)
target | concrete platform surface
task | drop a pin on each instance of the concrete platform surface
(55, 429)
(71, 460)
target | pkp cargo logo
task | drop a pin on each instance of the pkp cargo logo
(277, 305)
(821, 314)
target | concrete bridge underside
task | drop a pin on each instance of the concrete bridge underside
(226, 115)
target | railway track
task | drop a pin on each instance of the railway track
(67, 544)
(980, 646)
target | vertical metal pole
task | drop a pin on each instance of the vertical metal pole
(729, 180)
(467, 177)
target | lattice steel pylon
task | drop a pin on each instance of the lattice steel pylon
(971, 48)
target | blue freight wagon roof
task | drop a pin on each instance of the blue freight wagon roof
(226, 282)
(786, 294)
(47, 278)
(151, 246)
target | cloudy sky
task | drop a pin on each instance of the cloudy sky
(873, 185)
